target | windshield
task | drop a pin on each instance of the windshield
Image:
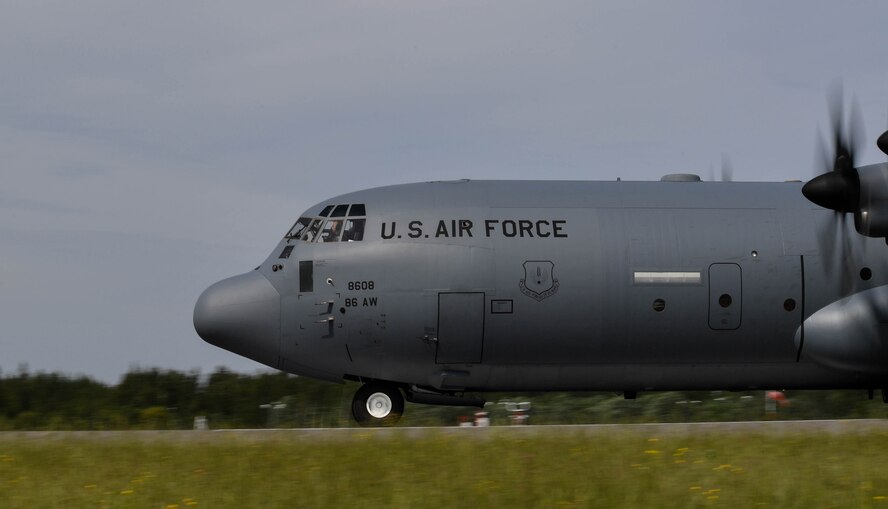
(335, 223)
(298, 228)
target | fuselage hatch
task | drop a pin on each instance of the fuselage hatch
(444, 288)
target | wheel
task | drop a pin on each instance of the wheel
(378, 405)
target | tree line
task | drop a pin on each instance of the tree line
(166, 399)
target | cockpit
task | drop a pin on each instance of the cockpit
(336, 223)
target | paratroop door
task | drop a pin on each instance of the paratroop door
(725, 299)
(460, 327)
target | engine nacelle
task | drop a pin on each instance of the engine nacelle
(872, 217)
(850, 334)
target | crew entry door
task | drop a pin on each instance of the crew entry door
(460, 328)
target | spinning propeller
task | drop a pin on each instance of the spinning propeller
(839, 189)
(844, 189)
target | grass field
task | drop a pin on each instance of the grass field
(561, 469)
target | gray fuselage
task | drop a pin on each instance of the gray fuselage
(520, 285)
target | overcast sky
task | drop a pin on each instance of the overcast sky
(149, 149)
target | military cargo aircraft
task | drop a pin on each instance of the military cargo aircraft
(439, 291)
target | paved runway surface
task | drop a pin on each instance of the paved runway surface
(866, 426)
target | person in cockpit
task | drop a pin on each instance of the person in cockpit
(331, 231)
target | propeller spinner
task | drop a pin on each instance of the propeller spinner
(839, 189)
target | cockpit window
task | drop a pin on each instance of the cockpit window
(354, 230)
(298, 228)
(345, 224)
(288, 250)
(332, 231)
(312, 231)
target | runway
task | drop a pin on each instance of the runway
(768, 428)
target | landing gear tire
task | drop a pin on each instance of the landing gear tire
(378, 405)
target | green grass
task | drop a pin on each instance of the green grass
(561, 469)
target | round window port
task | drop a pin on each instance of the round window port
(789, 304)
(659, 305)
(725, 300)
(866, 274)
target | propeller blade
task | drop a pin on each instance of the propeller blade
(835, 248)
(856, 130)
(835, 102)
(727, 170)
(822, 160)
(846, 258)
(826, 235)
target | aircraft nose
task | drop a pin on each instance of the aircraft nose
(241, 314)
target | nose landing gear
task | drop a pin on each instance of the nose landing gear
(378, 404)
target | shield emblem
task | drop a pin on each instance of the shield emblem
(539, 279)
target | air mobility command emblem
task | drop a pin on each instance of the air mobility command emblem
(539, 279)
